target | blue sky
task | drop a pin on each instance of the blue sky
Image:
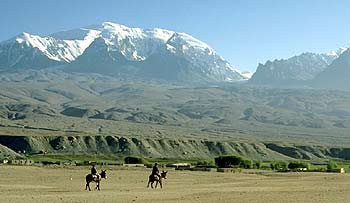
(245, 32)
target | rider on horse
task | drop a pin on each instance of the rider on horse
(94, 171)
(155, 171)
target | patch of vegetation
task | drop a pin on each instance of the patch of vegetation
(298, 165)
(134, 160)
(228, 161)
(258, 164)
(332, 165)
(246, 163)
(279, 165)
(236, 161)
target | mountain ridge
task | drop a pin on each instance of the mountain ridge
(296, 71)
(134, 44)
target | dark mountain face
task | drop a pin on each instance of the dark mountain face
(165, 66)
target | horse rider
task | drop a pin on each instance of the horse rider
(94, 171)
(155, 170)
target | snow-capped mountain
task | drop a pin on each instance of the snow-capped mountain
(295, 70)
(123, 49)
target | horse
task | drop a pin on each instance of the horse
(95, 178)
(155, 178)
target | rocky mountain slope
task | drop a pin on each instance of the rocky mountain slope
(337, 75)
(296, 71)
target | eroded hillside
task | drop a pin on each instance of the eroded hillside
(43, 106)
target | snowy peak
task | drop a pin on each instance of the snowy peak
(187, 41)
(337, 53)
(133, 44)
(138, 44)
(57, 49)
(332, 55)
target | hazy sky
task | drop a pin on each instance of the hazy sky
(245, 32)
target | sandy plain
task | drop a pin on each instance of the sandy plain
(54, 184)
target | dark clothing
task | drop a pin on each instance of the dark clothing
(155, 170)
(93, 171)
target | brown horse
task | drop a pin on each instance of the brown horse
(154, 178)
(95, 178)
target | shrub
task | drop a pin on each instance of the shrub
(245, 163)
(227, 161)
(236, 161)
(279, 165)
(296, 165)
(332, 165)
(134, 160)
(257, 164)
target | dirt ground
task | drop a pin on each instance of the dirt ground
(47, 184)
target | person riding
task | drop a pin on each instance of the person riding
(94, 171)
(155, 170)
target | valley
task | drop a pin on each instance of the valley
(60, 113)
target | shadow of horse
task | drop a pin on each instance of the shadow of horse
(154, 178)
(95, 178)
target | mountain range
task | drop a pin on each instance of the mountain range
(330, 71)
(164, 55)
(115, 49)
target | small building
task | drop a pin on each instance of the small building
(134, 165)
(14, 162)
(29, 162)
(181, 166)
(22, 162)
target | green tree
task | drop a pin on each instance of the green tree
(332, 165)
(227, 161)
(279, 165)
(134, 160)
(296, 165)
